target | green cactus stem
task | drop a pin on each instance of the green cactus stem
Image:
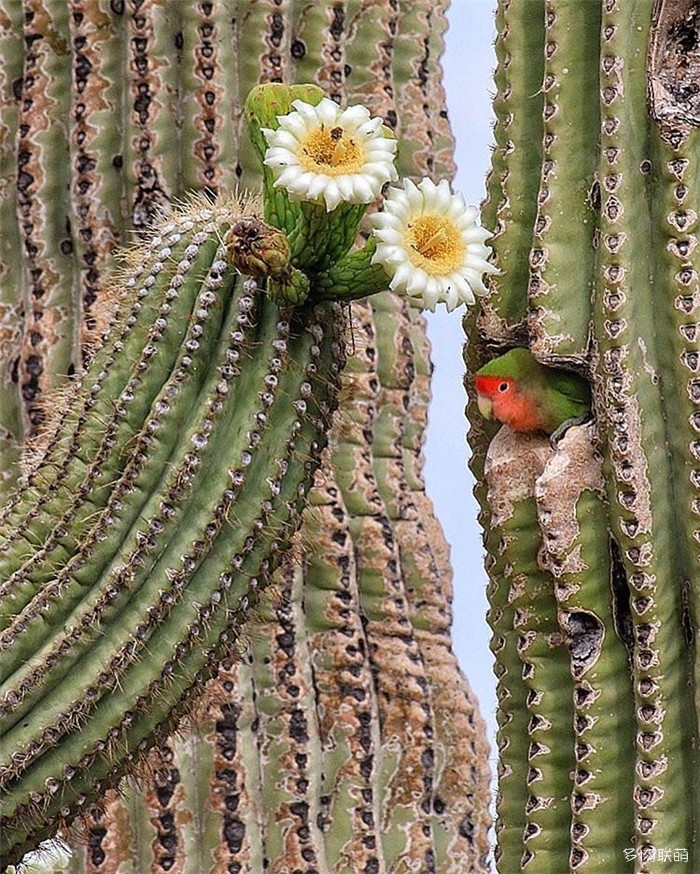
(607, 247)
(534, 730)
(202, 393)
(512, 186)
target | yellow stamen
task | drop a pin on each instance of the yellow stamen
(331, 152)
(435, 244)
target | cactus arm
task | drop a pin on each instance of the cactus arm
(84, 480)
(562, 256)
(640, 476)
(93, 553)
(512, 187)
(231, 435)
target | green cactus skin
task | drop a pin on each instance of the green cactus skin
(146, 594)
(628, 573)
(159, 111)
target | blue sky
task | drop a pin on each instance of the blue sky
(468, 63)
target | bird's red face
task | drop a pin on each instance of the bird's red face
(499, 398)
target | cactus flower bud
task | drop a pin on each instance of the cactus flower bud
(257, 249)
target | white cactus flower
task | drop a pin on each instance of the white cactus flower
(50, 857)
(325, 154)
(431, 245)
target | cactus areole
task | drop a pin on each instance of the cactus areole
(170, 477)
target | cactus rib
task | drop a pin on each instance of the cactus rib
(574, 521)
(512, 187)
(13, 424)
(562, 257)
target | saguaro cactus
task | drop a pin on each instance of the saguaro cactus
(345, 737)
(593, 542)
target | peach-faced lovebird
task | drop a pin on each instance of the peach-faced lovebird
(519, 391)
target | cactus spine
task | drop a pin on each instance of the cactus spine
(593, 195)
(286, 768)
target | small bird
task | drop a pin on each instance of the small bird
(520, 392)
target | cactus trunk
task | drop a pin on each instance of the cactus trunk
(339, 733)
(592, 543)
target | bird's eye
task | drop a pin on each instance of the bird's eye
(503, 386)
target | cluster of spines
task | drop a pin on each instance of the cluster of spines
(177, 539)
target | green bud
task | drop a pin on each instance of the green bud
(289, 289)
(263, 104)
(353, 277)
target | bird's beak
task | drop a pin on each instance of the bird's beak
(485, 406)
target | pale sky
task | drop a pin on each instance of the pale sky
(468, 63)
